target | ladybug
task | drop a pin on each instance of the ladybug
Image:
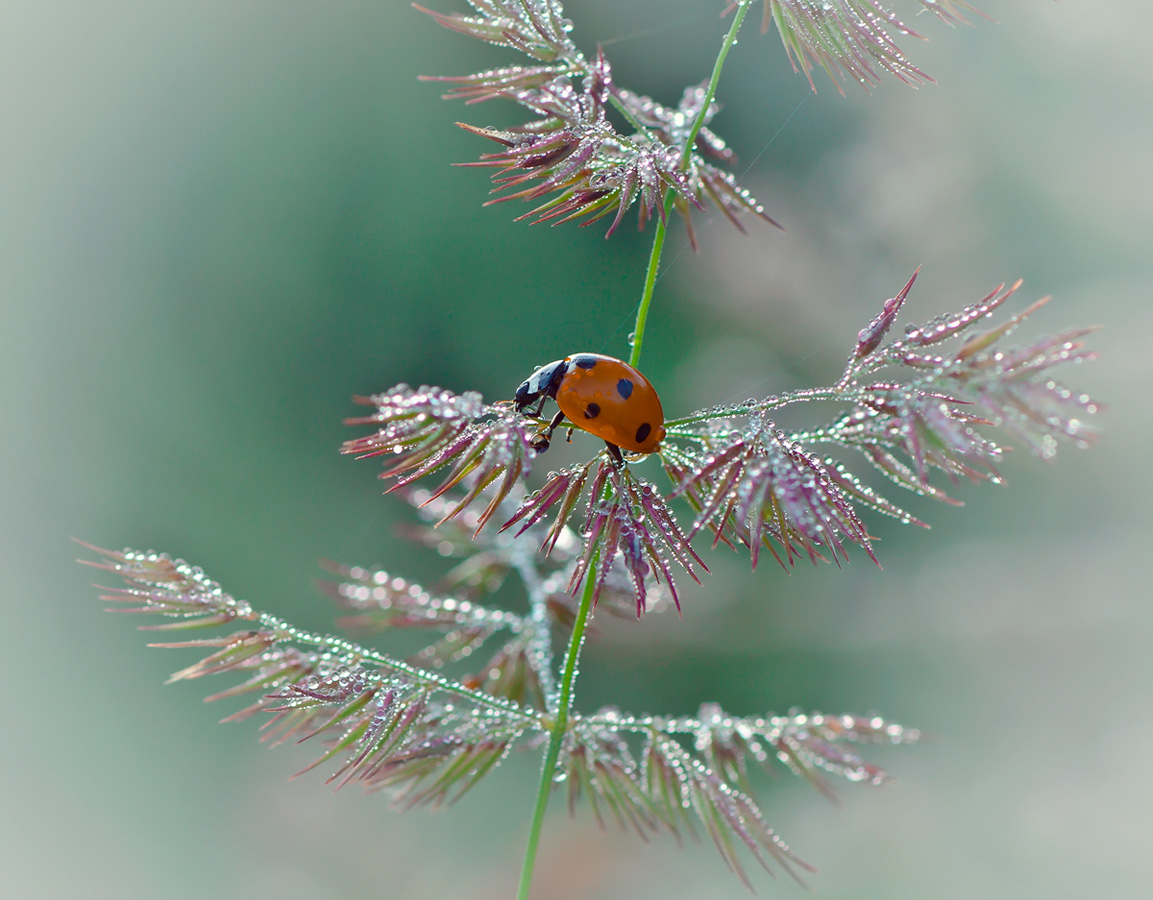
(598, 394)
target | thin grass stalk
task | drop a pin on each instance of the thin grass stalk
(557, 735)
(556, 738)
(638, 335)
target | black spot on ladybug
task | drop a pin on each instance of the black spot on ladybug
(625, 388)
(592, 411)
(584, 362)
(643, 432)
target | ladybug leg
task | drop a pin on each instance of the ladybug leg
(615, 453)
(540, 441)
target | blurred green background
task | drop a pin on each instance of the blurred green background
(220, 220)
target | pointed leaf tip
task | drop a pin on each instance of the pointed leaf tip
(870, 337)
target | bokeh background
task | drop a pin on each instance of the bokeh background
(221, 219)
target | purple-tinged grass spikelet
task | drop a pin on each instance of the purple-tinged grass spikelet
(852, 38)
(570, 160)
(870, 337)
(395, 726)
(756, 484)
(424, 430)
(626, 516)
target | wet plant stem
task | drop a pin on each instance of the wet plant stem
(559, 728)
(638, 334)
(568, 678)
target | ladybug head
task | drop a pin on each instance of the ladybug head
(543, 382)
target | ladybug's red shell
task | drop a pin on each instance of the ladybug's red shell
(603, 396)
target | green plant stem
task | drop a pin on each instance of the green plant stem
(809, 395)
(568, 678)
(560, 726)
(629, 116)
(638, 335)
